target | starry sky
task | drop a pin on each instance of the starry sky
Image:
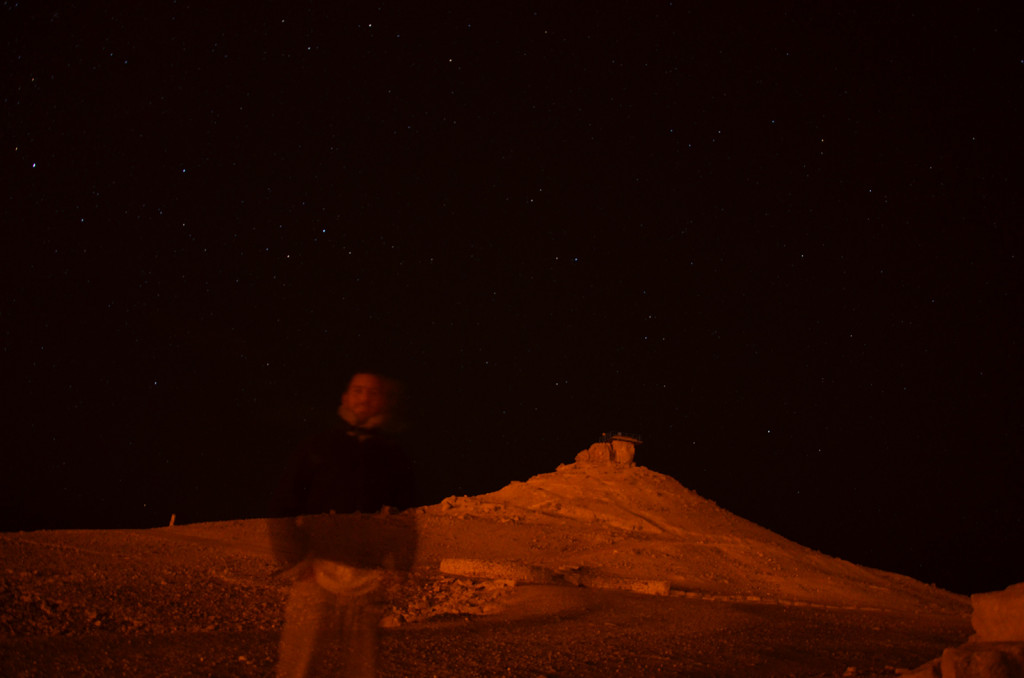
(782, 244)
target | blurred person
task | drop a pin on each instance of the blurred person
(340, 546)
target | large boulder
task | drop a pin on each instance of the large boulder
(983, 660)
(999, 616)
(619, 452)
(996, 650)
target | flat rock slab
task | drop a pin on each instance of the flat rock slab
(531, 574)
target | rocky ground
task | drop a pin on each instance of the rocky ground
(589, 571)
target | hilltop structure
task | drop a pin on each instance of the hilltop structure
(613, 448)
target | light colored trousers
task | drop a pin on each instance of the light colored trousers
(331, 622)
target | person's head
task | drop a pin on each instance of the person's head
(365, 399)
(371, 400)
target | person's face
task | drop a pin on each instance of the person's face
(365, 397)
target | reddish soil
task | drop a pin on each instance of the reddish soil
(205, 600)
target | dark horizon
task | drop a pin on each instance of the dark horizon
(783, 246)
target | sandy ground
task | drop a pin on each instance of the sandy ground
(559, 561)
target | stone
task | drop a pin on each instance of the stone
(488, 569)
(984, 660)
(650, 587)
(999, 616)
(620, 452)
(996, 650)
(623, 452)
(587, 578)
(932, 669)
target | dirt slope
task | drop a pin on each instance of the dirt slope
(634, 522)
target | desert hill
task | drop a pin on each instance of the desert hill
(607, 525)
(666, 578)
(631, 522)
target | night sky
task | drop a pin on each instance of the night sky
(783, 245)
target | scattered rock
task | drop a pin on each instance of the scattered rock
(487, 569)
(427, 598)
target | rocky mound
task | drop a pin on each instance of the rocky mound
(624, 522)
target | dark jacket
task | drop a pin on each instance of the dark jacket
(338, 482)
